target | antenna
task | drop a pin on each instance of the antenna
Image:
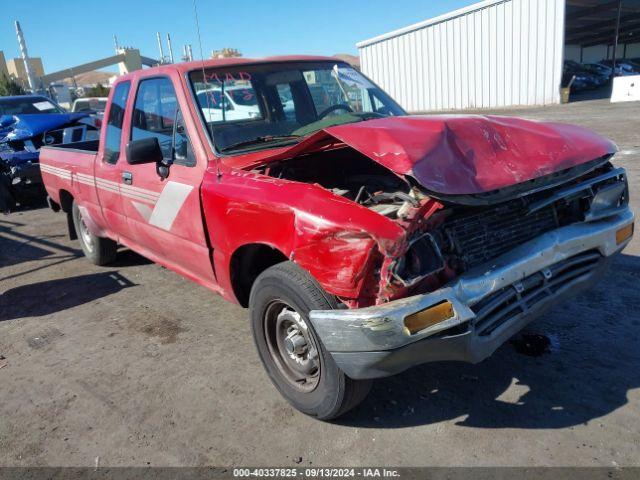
(206, 85)
(115, 42)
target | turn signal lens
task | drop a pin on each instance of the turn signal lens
(428, 317)
(624, 233)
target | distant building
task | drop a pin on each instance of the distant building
(16, 70)
(226, 53)
(3, 64)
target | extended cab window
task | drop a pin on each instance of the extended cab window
(114, 122)
(156, 114)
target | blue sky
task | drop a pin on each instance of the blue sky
(70, 32)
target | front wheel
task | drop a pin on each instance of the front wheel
(99, 250)
(291, 352)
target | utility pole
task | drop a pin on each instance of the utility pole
(615, 41)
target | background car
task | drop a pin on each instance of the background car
(28, 104)
(583, 79)
(238, 103)
(622, 68)
(90, 105)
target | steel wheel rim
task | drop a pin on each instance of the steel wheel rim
(291, 346)
(86, 236)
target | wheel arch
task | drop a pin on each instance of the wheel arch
(247, 262)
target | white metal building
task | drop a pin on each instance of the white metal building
(491, 54)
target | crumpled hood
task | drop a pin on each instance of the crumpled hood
(468, 154)
(30, 125)
(463, 154)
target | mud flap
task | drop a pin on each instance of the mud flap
(7, 200)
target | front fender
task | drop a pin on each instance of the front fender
(338, 241)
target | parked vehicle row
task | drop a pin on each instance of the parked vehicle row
(588, 76)
(363, 240)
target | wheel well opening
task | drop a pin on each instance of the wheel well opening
(247, 263)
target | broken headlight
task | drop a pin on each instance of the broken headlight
(422, 259)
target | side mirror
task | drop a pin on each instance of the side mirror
(144, 150)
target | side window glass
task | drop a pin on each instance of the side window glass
(114, 122)
(155, 112)
(182, 151)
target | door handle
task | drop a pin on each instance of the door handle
(127, 177)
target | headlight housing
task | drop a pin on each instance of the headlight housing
(423, 258)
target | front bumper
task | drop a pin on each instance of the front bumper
(491, 303)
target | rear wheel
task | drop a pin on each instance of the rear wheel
(291, 352)
(99, 250)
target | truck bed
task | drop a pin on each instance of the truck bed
(66, 167)
(88, 146)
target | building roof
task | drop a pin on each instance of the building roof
(428, 22)
(593, 22)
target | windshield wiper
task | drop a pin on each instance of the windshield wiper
(258, 140)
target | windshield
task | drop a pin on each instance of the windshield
(28, 105)
(92, 105)
(273, 104)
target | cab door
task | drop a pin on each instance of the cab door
(109, 163)
(164, 214)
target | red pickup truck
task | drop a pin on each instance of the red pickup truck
(363, 240)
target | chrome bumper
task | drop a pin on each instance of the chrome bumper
(373, 342)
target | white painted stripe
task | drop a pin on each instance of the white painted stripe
(57, 174)
(107, 182)
(141, 190)
(151, 196)
(128, 191)
(140, 199)
(169, 204)
(86, 182)
(58, 171)
(111, 189)
(137, 194)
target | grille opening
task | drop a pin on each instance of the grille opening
(479, 236)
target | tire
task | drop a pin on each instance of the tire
(99, 250)
(280, 301)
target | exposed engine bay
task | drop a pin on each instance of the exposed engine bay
(349, 174)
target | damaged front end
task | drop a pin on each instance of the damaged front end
(469, 270)
(489, 270)
(21, 137)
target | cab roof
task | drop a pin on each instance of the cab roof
(231, 62)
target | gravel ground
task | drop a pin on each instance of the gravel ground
(137, 366)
